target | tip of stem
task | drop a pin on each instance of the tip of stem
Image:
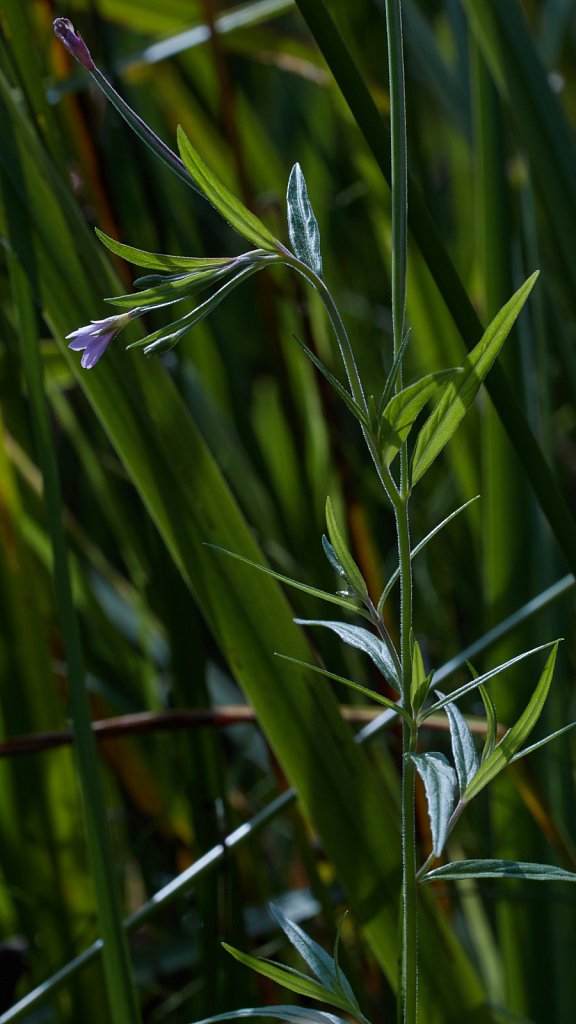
(66, 33)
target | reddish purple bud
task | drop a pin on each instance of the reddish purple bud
(73, 42)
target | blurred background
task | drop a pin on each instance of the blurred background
(233, 438)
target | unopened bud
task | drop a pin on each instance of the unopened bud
(73, 42)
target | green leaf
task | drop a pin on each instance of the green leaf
(364, 641)
(171, 290)
(517, 734)
(379, 698)
(162, 261)
(463, 750)
(498, 869)
(313, 591)
(440, 783)
(339, 388)
(491, 721)
(393, 375)
(341, 979)
(418, 548)
(171, 333)
(404, 408)
(302, 224)
(542, 743)
(238, 216)
(420, 681)
(319, 961)
(293, 980)
(474, 683)
(459, 395)
(343, 555)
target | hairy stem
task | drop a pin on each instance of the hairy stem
(408, 997)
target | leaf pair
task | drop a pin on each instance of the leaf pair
(472, 774)
(458, 389)
(328, 984)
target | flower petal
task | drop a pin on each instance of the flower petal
(94, 349)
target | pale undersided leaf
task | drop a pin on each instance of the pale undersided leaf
(463, 750)
(440, 784)
(517, 734)
(460, 393)
(320, 962)
(302, 224)
(290, 1014)
(364, 641)
(499, 869)
(225, 202)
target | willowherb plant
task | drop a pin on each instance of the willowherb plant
(400, 461)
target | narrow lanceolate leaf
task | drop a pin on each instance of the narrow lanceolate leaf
(420, 681)
(463, 750)
(333, 558)
(440, 783)
(302, 224)
(293, 980)
(352, 571)
(459, 395)
(318, 960)
(173, 289)
(171, 333)
(339, 388)
(517, 734)
(543, 742)
(379, 698)
(228, 205)
(475, 683)
(422, 544)
(404, 408)
(290, 1014)
(163, 261)
(498, 869)
(491, 722)
(312, 591)
(392, 376)
(364, 641)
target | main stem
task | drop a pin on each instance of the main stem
(408, 990)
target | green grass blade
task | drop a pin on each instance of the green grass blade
(123, 1003)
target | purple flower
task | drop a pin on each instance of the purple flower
(73, 42)
(94, 339)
